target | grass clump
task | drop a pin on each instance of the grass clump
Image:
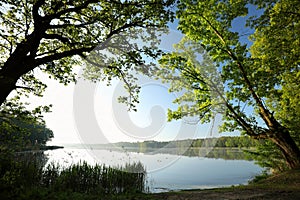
(30, 180)
(264, 175)
(98, 179)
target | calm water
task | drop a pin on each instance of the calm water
(165, 171)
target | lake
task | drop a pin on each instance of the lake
(165, 171)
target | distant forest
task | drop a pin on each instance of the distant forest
(233, 148)
(222, 142)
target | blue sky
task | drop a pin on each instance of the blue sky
(108, 121)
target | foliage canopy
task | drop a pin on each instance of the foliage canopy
(54, 36)
(254, 86)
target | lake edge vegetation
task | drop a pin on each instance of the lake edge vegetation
(27, 179)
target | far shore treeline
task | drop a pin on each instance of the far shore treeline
(221, 142)
(225, 147)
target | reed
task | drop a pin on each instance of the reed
(86, 178)
(81, 178)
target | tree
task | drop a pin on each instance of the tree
(36, 133)
(284, 54)
(54, 35)
(21, 128)
(260, 82)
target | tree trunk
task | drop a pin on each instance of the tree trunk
(7, 85)
(288, 147)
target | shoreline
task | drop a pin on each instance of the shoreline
(41, 148)
(284, 186)
(51, 147)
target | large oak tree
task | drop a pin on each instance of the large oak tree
(54, 35)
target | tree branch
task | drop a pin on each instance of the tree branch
(235, 115)
(53, 51)
(58, 37)
(264, 112)
(25, 88)
(58, 26)
(71, 9)
(35, 10)
(206, 107)
(57, 56)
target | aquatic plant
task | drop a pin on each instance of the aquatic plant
(24, 175)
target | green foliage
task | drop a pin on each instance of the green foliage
(20, 170)
(55, 36)
(25, 176)
(260, 93)
(224, 141)
(22, 128)
(189, 70)
(27, 134)
(276, 51)
(260, 177)
(267, 155)
(93, 179)
(206, 61)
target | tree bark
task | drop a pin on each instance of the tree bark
(288, 147)
(7, 86)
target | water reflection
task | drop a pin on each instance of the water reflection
(209, 152)
(167, 171)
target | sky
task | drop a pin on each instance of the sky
(89, 113)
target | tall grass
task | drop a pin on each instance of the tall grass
(22, 175)
(95, 179)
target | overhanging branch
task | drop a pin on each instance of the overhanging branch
(264, 112)
(58, 37)
(25, 88)
(57, 56)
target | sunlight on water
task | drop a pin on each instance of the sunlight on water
(165, 171)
